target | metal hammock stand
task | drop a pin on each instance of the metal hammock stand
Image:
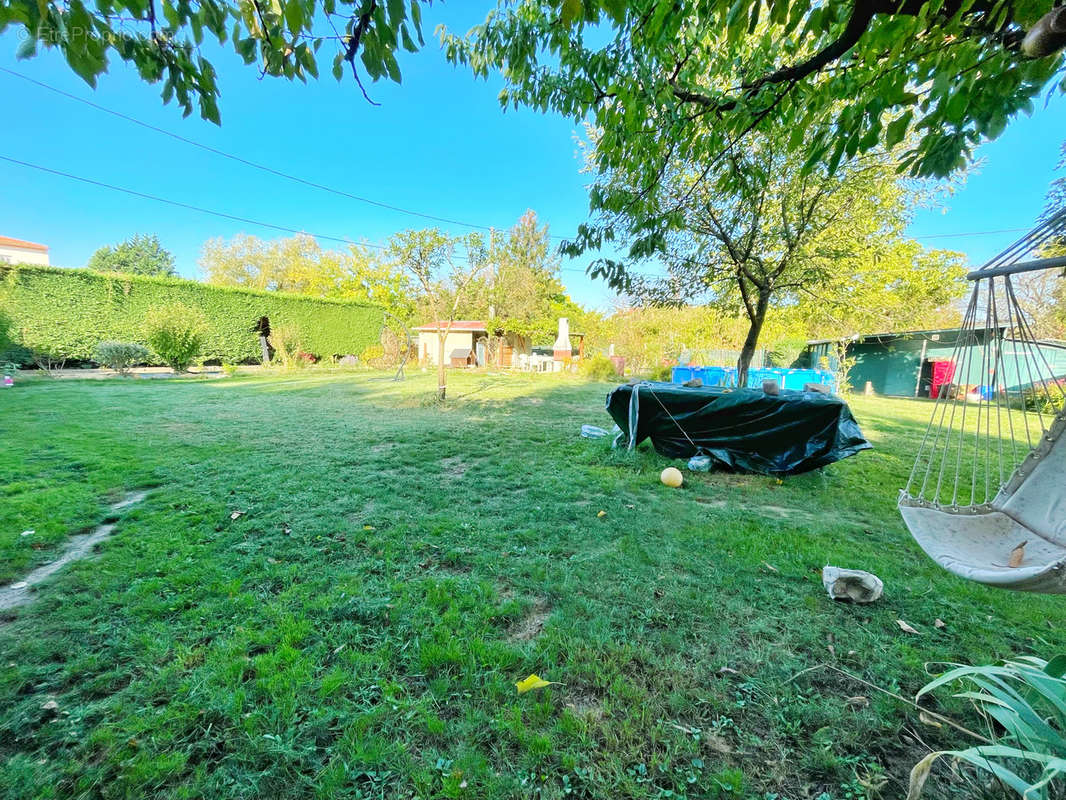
(986, 497)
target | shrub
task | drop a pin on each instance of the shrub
(288, 350)
(598, 368)
(662, 373)
(373, 356)
(176, 333)
(120, 356)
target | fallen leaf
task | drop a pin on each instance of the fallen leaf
(939, 623)
(236, 514)
(1016, 555)
(602, 514)
(926, 719)
(532, 682)
(727, 671)
(903, 626)
(51, 705)
(27, 533)
(858, 701)
(369, 528)
(770, 566)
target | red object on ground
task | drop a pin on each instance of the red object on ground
(943, 372)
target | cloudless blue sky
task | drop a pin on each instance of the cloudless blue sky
(439, 144)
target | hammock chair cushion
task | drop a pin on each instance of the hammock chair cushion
(975, 542)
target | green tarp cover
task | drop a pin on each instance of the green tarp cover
(744, 430)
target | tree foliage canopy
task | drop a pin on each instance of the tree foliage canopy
(665, 82)
(140, 255)
(164, 39)
(299, 264)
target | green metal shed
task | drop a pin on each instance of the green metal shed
(901, 364)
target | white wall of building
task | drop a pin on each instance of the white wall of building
(22, 255)
(429, 342)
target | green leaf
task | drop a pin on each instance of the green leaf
(571, 11)
(897, 129)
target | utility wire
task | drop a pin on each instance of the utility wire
(208, 211)
(341, 192)
(179, 204)
(247, 162)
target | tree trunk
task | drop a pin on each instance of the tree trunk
(757, 317)
(442, 379)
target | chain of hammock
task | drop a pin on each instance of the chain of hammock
(975, 440)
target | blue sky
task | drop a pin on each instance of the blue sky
(438, 144)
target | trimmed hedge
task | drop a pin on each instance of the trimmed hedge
(67, 312)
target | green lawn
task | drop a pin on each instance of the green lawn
(357, 633)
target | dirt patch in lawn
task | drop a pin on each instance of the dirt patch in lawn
(18, 593)
(530, 626)
(454, 466)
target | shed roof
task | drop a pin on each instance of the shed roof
(470, 325)
(934, 334)
(460, 352)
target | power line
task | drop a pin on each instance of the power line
(971, 233)
(180, 204)
(342, 193)
(209, 211)
(249, 163)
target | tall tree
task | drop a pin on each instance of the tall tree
(667, 81)
(523, 293)
(770, 233)
(299, 264)
(142, 254)
(445, 269)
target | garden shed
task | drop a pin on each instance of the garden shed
(918, 363)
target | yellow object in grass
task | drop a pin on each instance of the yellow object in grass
(671, 476)
(531, 683)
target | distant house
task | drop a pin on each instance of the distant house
(469, 343)
(919, 363)
(17, 251)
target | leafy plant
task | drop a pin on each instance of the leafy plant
(176, 333)
(1024, 703)
(598, 368)
(373, 356)
(288, 349)
(120, 356)
(663, 373)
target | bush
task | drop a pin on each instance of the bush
(66, 312)
(176, 333)
(373, 356)
(285, 339)
(662, 373)
(598, 368)
(120, 356)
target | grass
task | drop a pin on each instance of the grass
(358, 631)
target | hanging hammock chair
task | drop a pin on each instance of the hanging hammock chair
(986, 498)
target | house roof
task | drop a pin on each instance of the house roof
(7, 241)
(458, 325)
